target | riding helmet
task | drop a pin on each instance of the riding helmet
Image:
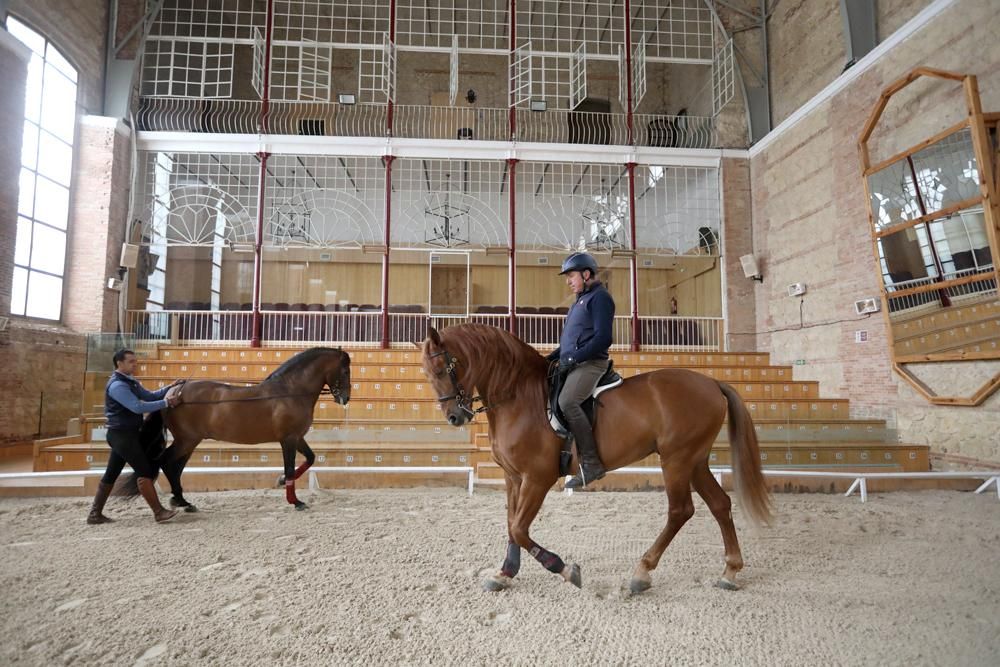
(579, 261)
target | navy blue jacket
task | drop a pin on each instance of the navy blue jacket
(587, 332)
(125, 401)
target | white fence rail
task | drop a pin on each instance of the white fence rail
(991, 477)
(469, 471)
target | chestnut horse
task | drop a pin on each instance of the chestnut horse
(674, 412)
(279, 409)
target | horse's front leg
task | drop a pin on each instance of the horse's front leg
(512, 562)
(174, 460)
(288, 448)
(528, 503)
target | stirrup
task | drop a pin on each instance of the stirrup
(581, 479)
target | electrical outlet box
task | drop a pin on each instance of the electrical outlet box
(796, 289)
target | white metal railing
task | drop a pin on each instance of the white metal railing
(363, 328)
(572, 127)
(681, 333)
(674, 131)
(985, 287)
(991, 477)
(312, 477)
(222, 116)
(473, 123)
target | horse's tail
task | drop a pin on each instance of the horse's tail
(751, 488)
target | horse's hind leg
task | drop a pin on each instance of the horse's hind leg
(288, 448)
(512, 562)
(718, 502)
(529, 501)
(681, 508)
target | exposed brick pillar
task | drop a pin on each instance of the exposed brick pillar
(741, 310)
(97, 224)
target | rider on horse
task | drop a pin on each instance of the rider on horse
(583, 356)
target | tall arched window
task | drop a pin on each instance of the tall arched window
(46, 171)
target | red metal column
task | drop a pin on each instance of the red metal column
(511, 257)
(633, 264)
(392, 40)
(256, 320)
(512, 115)
(255, 336)
(628, 68)
(385, 251)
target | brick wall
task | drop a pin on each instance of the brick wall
(810, 225)
(43, 365)
(737, 241)
(78, 29)
(800, 67)
(97, 211)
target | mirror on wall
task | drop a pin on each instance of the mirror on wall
(934, 222)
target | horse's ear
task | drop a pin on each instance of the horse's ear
(433, 334)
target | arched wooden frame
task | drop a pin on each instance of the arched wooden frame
(989, 183)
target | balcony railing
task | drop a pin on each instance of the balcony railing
(363, 329)
(902, 305)
(164, 114)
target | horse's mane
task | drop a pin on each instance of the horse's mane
(299, 360)
(501, 365)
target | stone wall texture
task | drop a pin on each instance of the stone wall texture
(810, 225)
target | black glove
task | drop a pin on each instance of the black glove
(566, 365)
(553, 355)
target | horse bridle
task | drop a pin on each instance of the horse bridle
(462, 398)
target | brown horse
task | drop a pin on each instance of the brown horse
(676, 413)
(279, 409)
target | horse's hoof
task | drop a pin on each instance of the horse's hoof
(726, 585)
(636, 586)
(496, 583)
(573, 576)
(281, 481)
(183, 504)
(299, 505)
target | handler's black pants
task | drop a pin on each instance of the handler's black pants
(126, 447)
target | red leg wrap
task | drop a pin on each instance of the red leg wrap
(301, 469)
(290, 492)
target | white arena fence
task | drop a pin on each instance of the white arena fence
(313, 480)
(990, 477)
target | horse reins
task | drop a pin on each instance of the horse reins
(334, 392)
(462, 398)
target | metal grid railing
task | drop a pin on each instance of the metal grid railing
(363, 329)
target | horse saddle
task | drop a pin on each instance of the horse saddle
(609, 380)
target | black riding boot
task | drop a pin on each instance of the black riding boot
(591, 468)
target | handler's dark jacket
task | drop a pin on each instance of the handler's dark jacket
(125, 401)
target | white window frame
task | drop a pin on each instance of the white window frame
(53, 69)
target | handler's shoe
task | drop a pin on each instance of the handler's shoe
(148, 492)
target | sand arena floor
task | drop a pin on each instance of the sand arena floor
(393, 577)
